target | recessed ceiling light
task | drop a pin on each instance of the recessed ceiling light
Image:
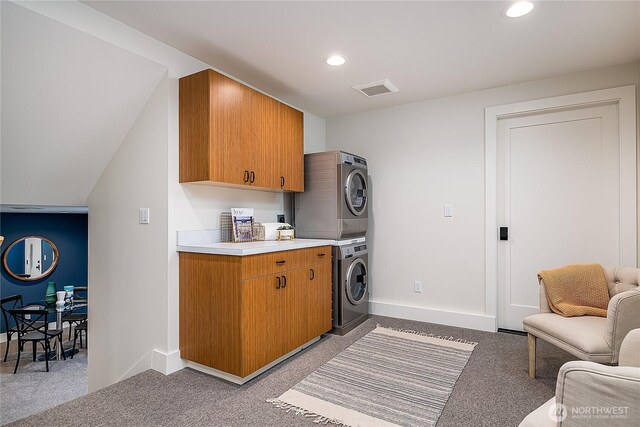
(519, 8)
(336, 60)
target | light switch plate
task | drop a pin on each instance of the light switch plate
(448, 211)
(417, 286)
(143, 216)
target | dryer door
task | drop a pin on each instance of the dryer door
(356, 282)
(355, 192)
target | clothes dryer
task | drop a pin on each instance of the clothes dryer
(335, 203)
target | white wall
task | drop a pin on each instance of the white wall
(127, 260)
(422, 156)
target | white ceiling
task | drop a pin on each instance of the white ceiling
(427, 49)
(68, 101)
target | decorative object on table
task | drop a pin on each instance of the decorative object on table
(60, 296)
(50, 293)
(424, 367)
(69, 294)
(285, 232)
(80, 300)
(30, 258)
(35, 328)
(271, 229)
(242, 220)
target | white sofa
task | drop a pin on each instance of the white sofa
(592, 338)
(591, 394)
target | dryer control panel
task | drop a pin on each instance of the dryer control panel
(350, 159)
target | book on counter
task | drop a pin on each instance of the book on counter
(242, 220)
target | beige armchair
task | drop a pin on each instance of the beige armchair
(592, 338)
(590, 394)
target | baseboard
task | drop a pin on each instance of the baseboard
(421, 314)
(52, 325)
(166, 363)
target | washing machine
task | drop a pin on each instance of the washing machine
(335, 202)
(350, 286)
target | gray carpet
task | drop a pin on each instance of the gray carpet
(493, 390)
(387, 376)
(32, 390)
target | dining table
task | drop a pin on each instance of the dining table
(56, 352)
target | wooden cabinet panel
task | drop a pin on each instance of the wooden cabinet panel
(259, 265)
(210, 311)
(291, 165)
(262, 315)
(295, 313)
(230, 133)
(239, 324)
(319, 299)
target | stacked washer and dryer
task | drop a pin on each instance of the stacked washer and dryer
(334, 206)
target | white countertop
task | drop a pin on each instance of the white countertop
(252, 248)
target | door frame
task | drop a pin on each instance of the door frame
(625, 98)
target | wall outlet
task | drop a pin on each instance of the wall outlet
(281, 218)
(417, 286)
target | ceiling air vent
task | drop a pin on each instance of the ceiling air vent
(376, 88)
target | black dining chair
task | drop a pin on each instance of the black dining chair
(74, 318)
(82, 327)
(6, 304)
(29, 319)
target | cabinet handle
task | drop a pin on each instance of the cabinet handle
(313, 274)
(246, 176)
(284, 282)
(321, 255)
(253, 177)
(281, 262)
(282, 181)
(277, 282)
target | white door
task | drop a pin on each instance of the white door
(559, 195)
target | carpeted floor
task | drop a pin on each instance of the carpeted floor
(493, 390)
(32, 390)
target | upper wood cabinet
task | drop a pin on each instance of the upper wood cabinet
(230, 133)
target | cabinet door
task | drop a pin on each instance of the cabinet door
(319, 299)
(295, 308)
(291, 146)
(263, 153)
(230, 106)
(263, 322)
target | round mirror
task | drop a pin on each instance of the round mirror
(30, 258)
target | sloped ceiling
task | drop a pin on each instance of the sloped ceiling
(68, 101)
(428, 49)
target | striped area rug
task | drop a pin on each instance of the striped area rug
(386, 378)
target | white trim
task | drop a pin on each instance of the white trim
(421, 314)
(625, 98)
(241, 380)
(166, 363)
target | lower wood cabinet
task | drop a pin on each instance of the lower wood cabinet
(239, 314)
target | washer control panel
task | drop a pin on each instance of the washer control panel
(353, 250)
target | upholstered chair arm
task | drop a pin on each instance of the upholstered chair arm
(544, 305)
(623, 315)
(608, 394)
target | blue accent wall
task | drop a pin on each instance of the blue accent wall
(69, 232)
